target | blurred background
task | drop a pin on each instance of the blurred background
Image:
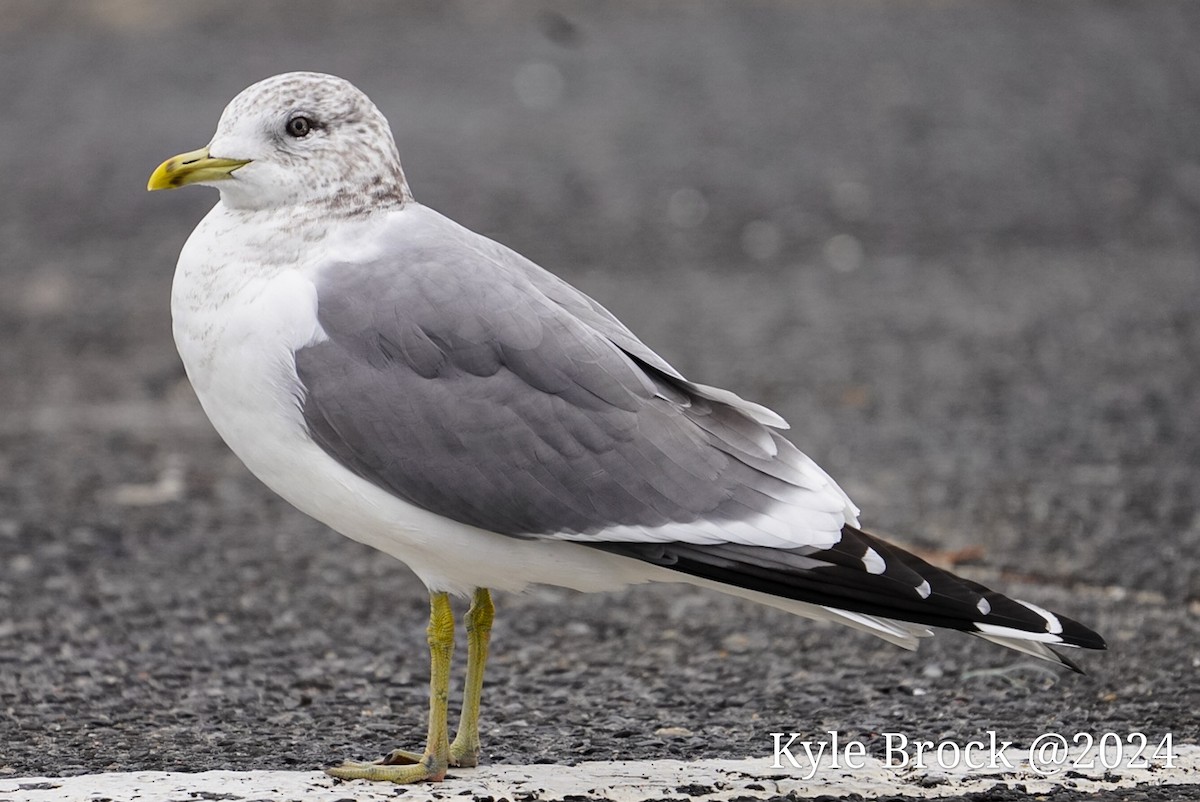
(956, 245)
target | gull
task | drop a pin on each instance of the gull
(432, 394)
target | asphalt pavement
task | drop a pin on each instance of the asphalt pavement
(956, 245)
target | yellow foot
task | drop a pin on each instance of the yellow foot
(398, 767)
(461, 757)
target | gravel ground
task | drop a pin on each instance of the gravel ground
(956, 245)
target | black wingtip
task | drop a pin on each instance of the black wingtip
(863, 574)
(1076, 634)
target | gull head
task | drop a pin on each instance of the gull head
(297, 139)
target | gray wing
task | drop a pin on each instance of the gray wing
(467, 381)
(606, 324)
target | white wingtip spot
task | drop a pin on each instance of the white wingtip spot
(1053, 625)
(873, 562)
(984, 606)
(923, 589)
(1016, 634)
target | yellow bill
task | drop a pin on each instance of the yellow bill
(193, 167)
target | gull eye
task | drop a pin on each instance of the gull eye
(298, 126)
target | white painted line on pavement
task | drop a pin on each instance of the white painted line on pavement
(622, 781)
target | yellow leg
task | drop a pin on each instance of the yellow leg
(465, 749)
(433, 763)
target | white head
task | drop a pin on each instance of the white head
(296, 139)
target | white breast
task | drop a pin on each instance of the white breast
(237, 323)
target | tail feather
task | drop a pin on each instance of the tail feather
(1034, 649)
(872, 585)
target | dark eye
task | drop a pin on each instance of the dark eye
(299, 126)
